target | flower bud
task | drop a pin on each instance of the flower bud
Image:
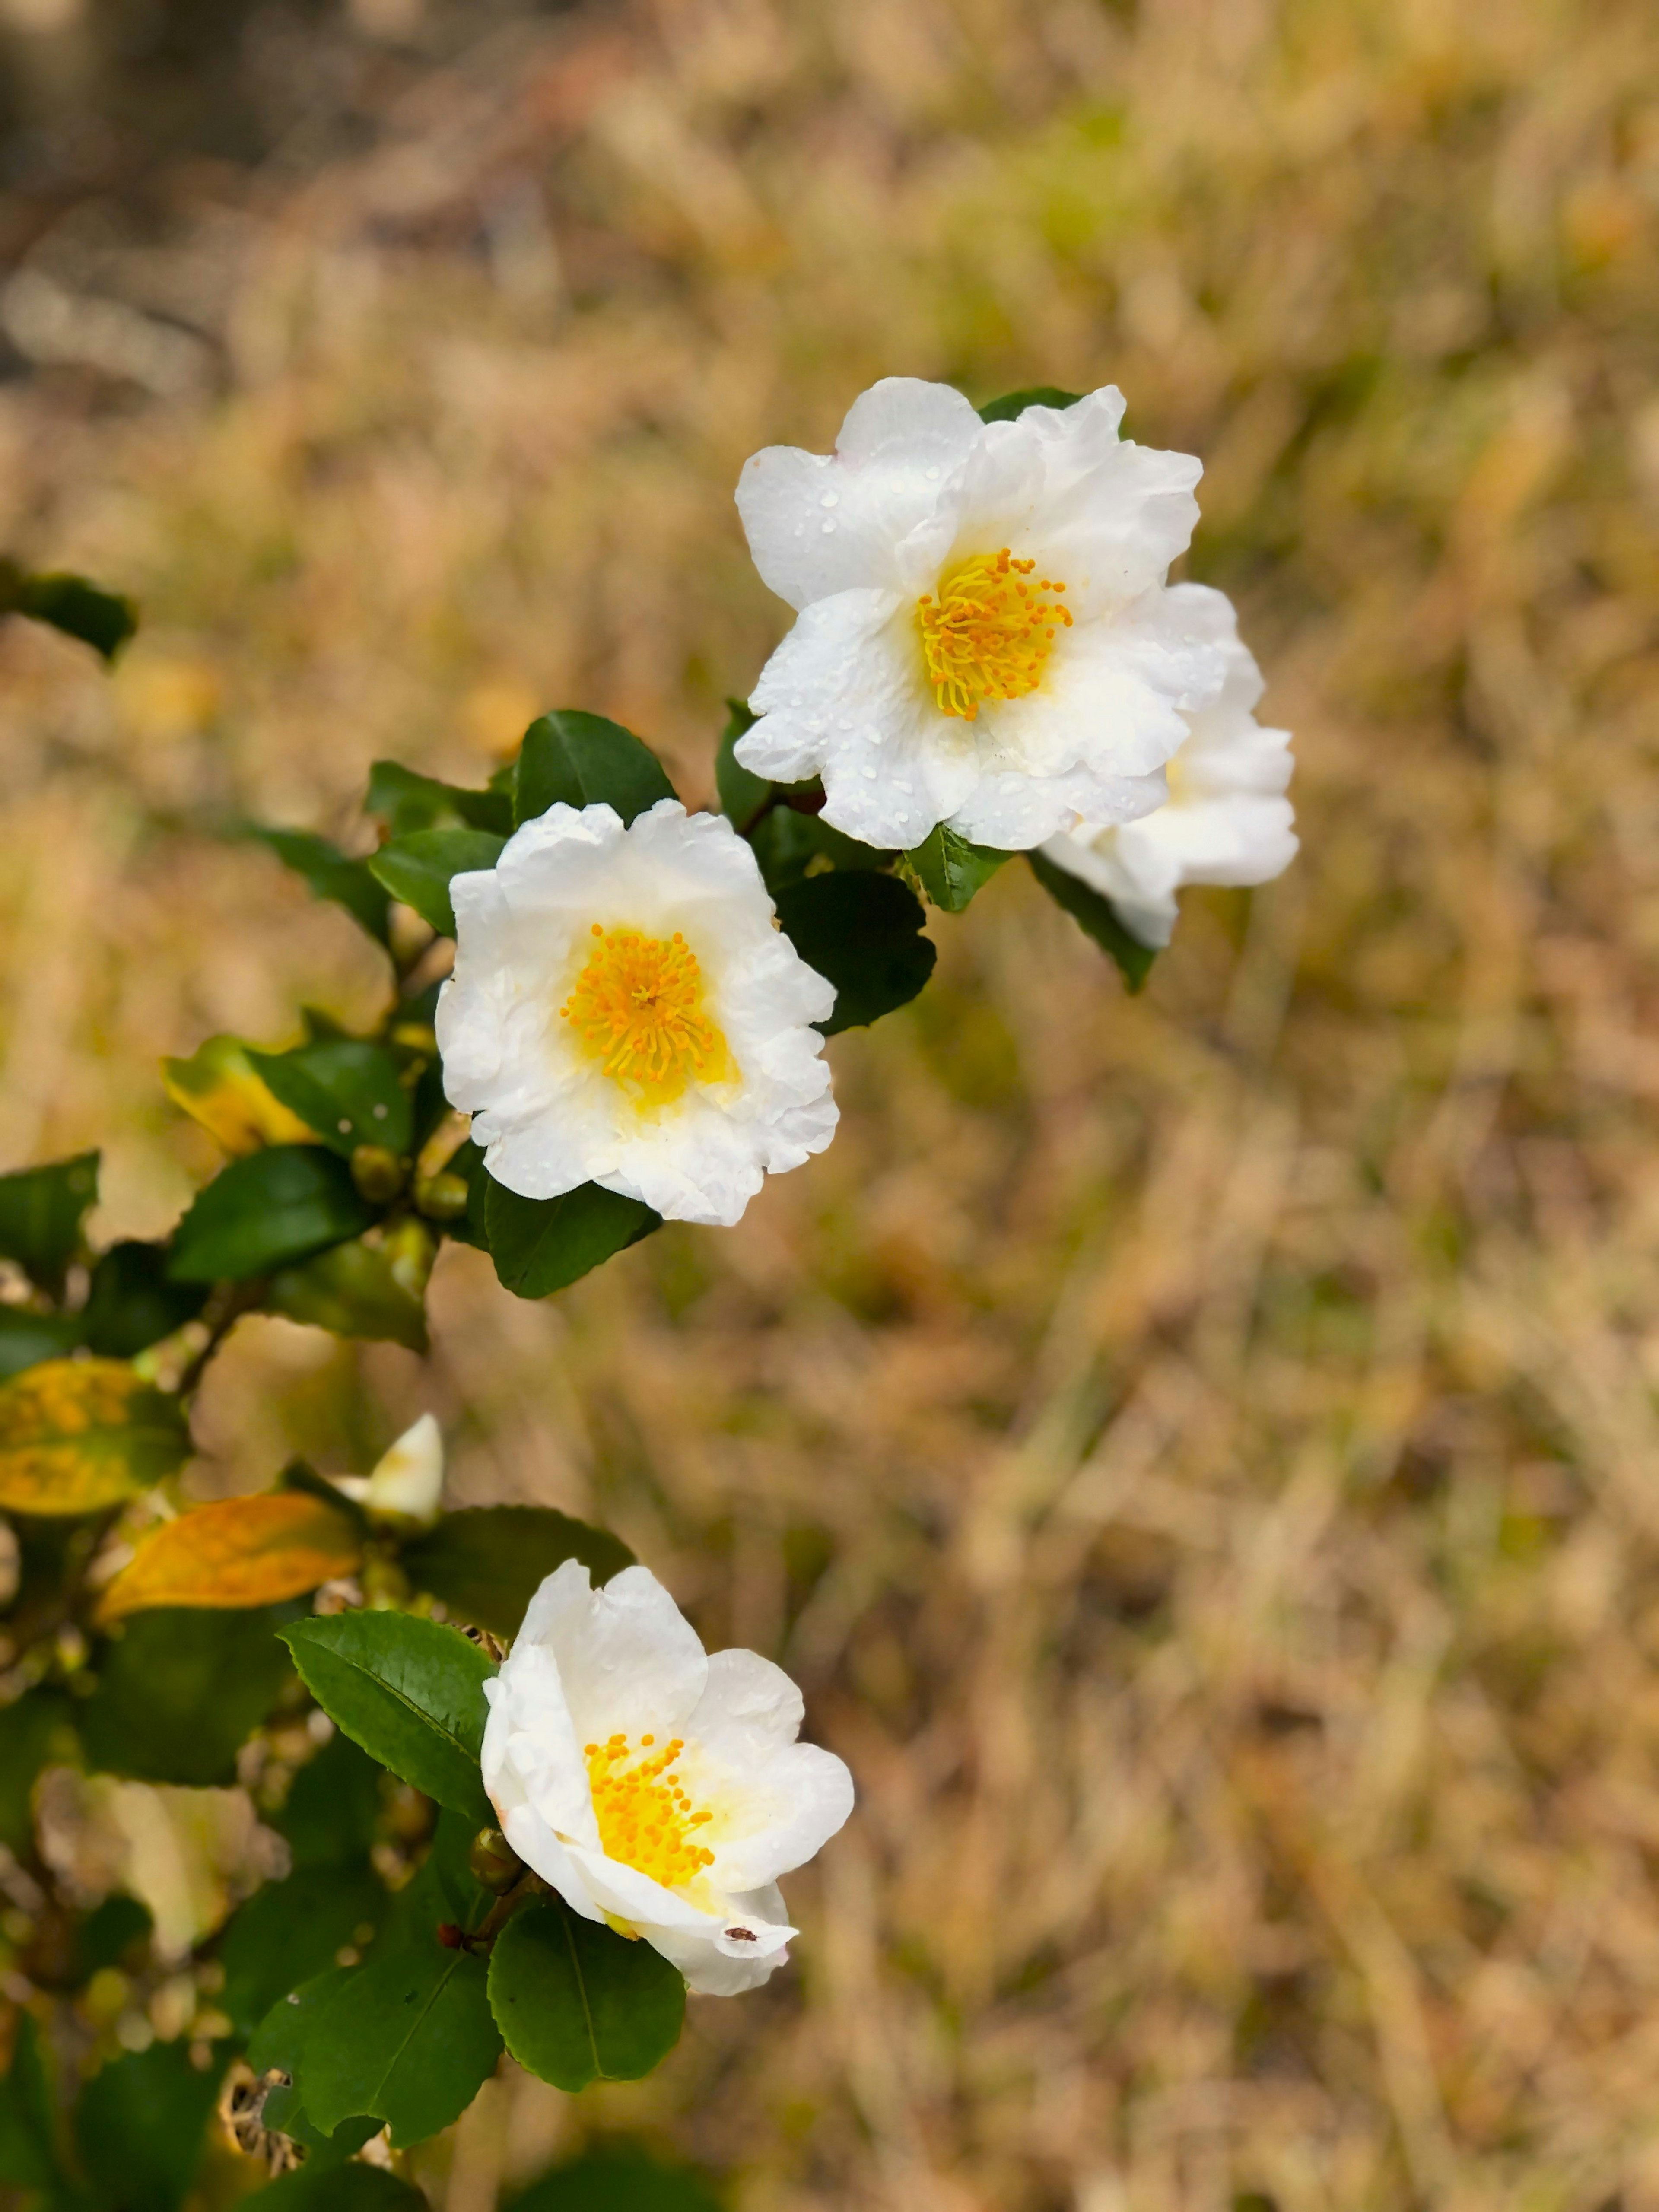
(408, 1482)
(378, 1174)
(493, 1861)
(442, 1197)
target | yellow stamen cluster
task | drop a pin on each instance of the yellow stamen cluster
(988, 633)
(646, 1819)
(637, 1008)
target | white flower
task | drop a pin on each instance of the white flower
(1226, 820)
(654, 1785)
(407, 1481)
(984, 638)
(624, 1011)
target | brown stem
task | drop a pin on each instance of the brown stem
(797, 802)
(228, 1302)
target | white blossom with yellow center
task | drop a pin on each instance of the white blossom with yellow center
(656, 1786)
(985, 636)
(1226, 819)
(624, 1011)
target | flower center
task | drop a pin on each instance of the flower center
(646, 1819)
(988, 633)
(637, 1009)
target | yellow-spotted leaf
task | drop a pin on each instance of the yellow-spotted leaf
(218, 1086)
(240, 1552)
(77, 1436)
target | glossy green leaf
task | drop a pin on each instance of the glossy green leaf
(1095, 916)
(335, 2186)
(408, 2037)
(29, 2134)
(863, 933)
(409, 1692)
(292, 1930)
(348, 1091)
(540, 1245)
(26, 1339)
(266, 1211)
(133, 1303)
(951, 870)
(333, 876)
(742, 793)
(355, 1290)
(405, 800)
(576, 2003)
(104, 620)
(41, 1210)
(333, 1804)
(140, 2126)
(583, 760)
(1013, 405)
(35, 1730)
(417, 869)
(789, 844)
(617, 2177)
(279, 2042)
(487, 1562)
(79, 1435)
(179, 1691)
(284, 2115)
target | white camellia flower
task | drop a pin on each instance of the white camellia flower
(408, 1479)
(985, 638)
(654, 1785)
(624, 1011)
(1226, 819)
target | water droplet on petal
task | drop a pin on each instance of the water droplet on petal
(933, 475)
(830, 499)
(828, 529)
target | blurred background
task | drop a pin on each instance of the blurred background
(1199, 1454)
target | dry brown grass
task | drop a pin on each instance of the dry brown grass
(1200, 1454)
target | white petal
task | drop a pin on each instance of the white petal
(717, 1965)
(408, 1481)
(869, 514)
(628, 1657)
(749, 1709)
(808, 1794)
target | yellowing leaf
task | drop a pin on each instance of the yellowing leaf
(242, 1551)
(79, 1435)
(217, 1086)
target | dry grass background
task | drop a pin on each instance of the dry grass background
(1200, 1454)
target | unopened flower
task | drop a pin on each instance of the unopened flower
(1226, 819)
(624, 1011)
(653, 1785)
(984, 637)
(407, 1481)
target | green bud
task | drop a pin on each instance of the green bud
(385, 1584)
(495, 1865)
(442, 1197)
(378, 1174)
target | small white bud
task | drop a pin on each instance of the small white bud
(409, 1481)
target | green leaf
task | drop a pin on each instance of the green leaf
(417, 869)
(408, 2037)
(279, 2042)
(444, 1889)
(333, 1805)
(103, 620)
(576, 2003)
(742, 793)
(265, 1210)
(349, 1091)
(406, 801)
(862, 933)
(41, 1210)
(618, 2177)
(586, 761)
(1095, 915)
(487, 1562)
(35, 1730)
(336, 2187)
(26, 1339)
(132, 1303)
(179, 1691)
(77, 1436)
(1013, 405)
(789, 844)
(284, 2115)
(116, 1932)
(139, 2126)
(332, 876)
(353, 1290)
(28, 2154)
(409, 1692)
(291, 1931)
(540, 1245)
(951, 870)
